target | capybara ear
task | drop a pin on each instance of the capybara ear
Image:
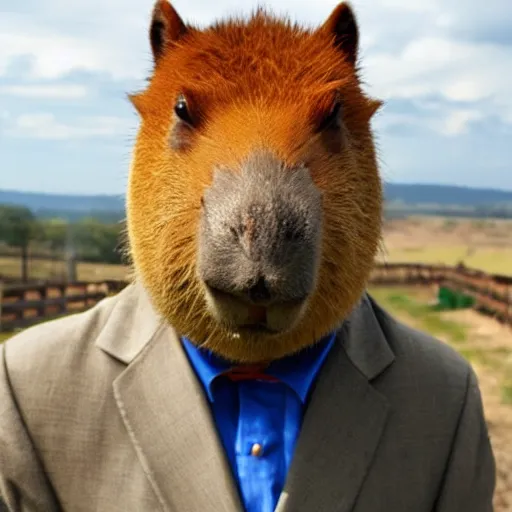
(166, 27)
(374, 106)
(342, 25)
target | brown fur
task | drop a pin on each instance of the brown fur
(252, 84)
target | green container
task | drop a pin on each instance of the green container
(445, 298)
(465, 301)
(451, 299)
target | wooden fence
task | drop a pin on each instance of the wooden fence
(24, 305)
(492, 294)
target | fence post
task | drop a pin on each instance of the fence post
(63, 296)
(43, 295)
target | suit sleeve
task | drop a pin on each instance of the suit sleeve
(24, 486)
(470, 476)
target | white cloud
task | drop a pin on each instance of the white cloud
(447, 121)
(457, 121)
(46, 126)
(51, 55)
(456, 71)
(54, 55)
(45, 91)
(417, 7)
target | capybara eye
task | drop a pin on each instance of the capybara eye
(332, 119)
(182, 111)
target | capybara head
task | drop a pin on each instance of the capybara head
(254, 201)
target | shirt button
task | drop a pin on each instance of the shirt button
(256, 450)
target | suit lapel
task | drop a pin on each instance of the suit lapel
(343, 423)
(170, 426)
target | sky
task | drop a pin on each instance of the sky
(442, 67)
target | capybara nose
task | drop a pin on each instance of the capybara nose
(260, 232)
(257, 293)
(260, 292)
(269, 231)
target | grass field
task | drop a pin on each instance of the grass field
(48, 269)
(482, 244)
(488, 259)
(4, 336)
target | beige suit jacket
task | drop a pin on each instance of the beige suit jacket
(101, 412)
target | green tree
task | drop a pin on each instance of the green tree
(18, 227)
(97, 241)
(53, 233)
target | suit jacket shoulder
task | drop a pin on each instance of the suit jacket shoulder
(426, 356)
(56, 351)
(49, 343)
(435, 431)
(52, 361)
(60, 419)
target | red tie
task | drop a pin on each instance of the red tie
(249, 372)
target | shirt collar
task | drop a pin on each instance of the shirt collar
(298, 371)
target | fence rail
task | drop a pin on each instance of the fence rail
(24, 305)
(492, 294)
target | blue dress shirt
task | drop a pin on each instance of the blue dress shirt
(259, 421)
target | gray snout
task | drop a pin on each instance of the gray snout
(260, 233)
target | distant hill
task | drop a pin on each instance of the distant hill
(404, 198)
(58, 202)
(414, 194)
(108, 208)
